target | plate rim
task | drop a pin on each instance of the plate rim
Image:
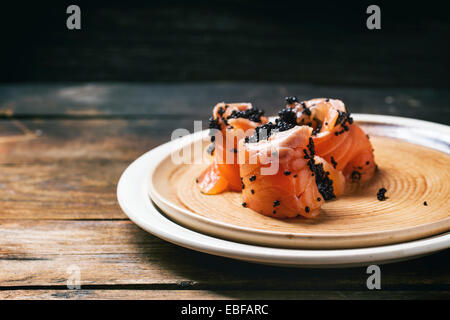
(144, 214)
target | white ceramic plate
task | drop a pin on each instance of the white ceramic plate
(132, 193)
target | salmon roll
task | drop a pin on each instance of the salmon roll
(336, 138)
(229, 124)
(281, 174)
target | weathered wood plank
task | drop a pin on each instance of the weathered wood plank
(118, 253)
(194, 100)
(70, 170)
(220, 294)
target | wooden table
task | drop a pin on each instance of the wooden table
(63, 149)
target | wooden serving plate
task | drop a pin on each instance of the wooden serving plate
(413, 167)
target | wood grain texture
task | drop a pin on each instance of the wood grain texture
(195, 100)
(117, 254)
(70, 170)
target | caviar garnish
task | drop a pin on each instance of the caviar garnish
(425, 203)
(291, 100)
(381, 194)
(323, 182)
(274, 211)
(253, 191)
(319, 199)
(286, 173)
(252, 114)
(295, 176)
(344, 118)
(221, 111)
(214, 124)
(310, 146)
(286, 120)
(211, 148)
(276, 203)
(244, 204)
(306, 156)
(287, 116)
(305, 109)
(262, 132)
(252, 178)
(306, 209)
(367, 163)
(333, 162)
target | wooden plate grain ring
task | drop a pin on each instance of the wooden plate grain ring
(413, 157)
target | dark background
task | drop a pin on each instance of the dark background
(314, 42)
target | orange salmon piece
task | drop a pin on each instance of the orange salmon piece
(291, 189)
(236, 121)
(336, 138)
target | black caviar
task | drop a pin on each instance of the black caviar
(333, 162)
(252, 114)
(291, 100)
(323, 182)
(344, 118)
(214, 124)
(286, 120)
(381, 194)
(305, 109)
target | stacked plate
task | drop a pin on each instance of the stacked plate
(160, 195)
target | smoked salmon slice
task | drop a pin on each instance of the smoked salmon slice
(281, 175)
(291, 166)
(336, 138)
(229, 124)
